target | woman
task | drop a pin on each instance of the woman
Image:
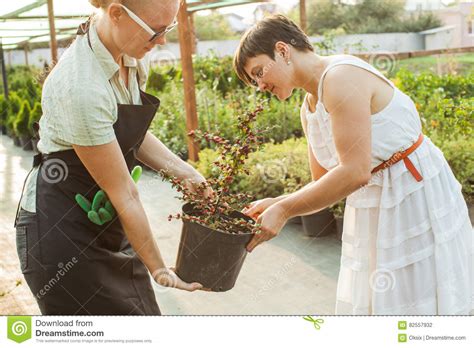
(93, 130)
(407, 245)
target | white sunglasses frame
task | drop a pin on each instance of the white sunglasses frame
(140, 22)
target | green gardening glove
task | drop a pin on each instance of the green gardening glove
(101, 210)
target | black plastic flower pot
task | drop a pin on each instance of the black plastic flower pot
(16, 141)
(319, 224)
(34, 143)
(25, 143)
(339, 226)
(295, 220)
(211, 257)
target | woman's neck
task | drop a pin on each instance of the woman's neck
(106, 38)
(309, 62)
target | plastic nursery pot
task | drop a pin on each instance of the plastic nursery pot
(16, 141)
(34, 143)
(25, 143)
(339, 226)
(319, 224)
(211, 257)
(295, 220)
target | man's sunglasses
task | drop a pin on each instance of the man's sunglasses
(154, 34)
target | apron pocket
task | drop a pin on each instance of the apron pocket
(22, 247)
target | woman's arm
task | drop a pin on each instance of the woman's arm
(317, 171)
(347, 97)
(157, 156)
(107, 167)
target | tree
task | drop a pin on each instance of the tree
(365, 16)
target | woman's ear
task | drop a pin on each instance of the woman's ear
(115, 12)
(283, 49)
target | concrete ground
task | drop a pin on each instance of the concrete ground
(292, 274)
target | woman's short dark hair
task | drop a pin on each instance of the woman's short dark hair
(261, 39)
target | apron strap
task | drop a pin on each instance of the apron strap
(37, 159)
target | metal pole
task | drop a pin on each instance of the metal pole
(4, 70)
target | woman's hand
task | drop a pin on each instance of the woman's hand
(271, 221)
(168, 278)
(193, 183)
(258, 207)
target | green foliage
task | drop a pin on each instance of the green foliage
(274, 170)
(14, 106)
(366, 16)
(3, 110)
(459, 154)
(209, 27)
(213, 27)
(446, 107)
(21, 123)
(35, 115)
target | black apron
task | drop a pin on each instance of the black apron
(71, 265)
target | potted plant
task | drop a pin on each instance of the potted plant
(14, 105)
(35, 116)
(338, 211)
(319, 224)
(3, 114)
(215, 233)
(21, 126)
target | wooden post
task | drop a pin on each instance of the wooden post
(193, 32)
(25, 48)
(185, 45)
(52, 33)
(303, 19)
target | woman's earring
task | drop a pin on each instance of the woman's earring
(288, 62)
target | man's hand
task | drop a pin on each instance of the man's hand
(101, 211)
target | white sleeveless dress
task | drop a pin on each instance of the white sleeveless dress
(407, 246)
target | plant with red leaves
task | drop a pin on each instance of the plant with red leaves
(214, 211)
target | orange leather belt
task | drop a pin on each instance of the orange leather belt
(403, 155)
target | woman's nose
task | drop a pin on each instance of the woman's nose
(160, 40)
(261, 85)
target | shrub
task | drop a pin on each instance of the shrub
(274, 170)
(35, 116)
(14, 105)
(21, 122)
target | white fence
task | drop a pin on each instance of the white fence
(387, 42)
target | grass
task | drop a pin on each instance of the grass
(440, 64)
